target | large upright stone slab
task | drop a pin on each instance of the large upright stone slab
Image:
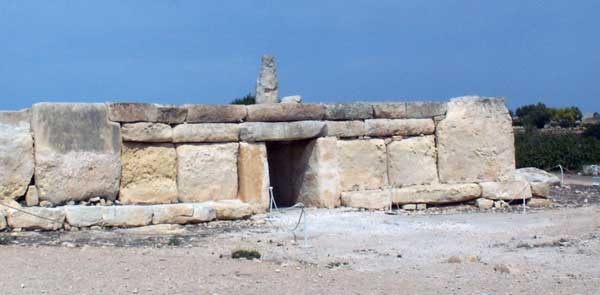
(320, 184)
(412, 161)
(362, 164)
(77, 152)
(476, 141)
(267, 85)
(207, 171)
(209, 113)
(149, 174)
(281, 131)
(16, 153)
(285, 112)
(403, 127)
(253, 170)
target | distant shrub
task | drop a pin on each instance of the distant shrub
(566, 117)
(592, 131)
(545, 151)
(248, 99)
(534, 115)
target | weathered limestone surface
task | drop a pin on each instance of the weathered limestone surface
(208, 113)
(292, 99)
(371, 199)
(207, 132)
(53, 218)
(390, 110)
(412, 161)
(425, 109)
(540, 180)
(253, 173)
(83, 216)
(483, 203)
(77, 152)
(125, 216)
(16, 153)
(267, 85)
(132, 112)
(345, 129)
(404, 127)
(283, 112)
(476, 141)
(362, 164)
(281, 131)
(32, 198)
(207, 171)
(436, 193)
(147, 132)
(170, 114)
(3, 223)
(321, 180)
(348, 111)
(231, 209)
(149, 173)
(509, 190)
(183, 213)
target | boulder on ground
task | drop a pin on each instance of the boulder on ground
(346, 129)
(207, 171)
(231, 209)
(362, 164)
(208, 113)
(281, 131)
(370, 199)
(436, 193)
(83, 216)
(475, 141)
(283, 112)
(147, 132)
(149, 174)
(483, 203)
(16, 153)
(348, 111)
(38, 218)
(126, 216)
(77, 152)
(508, 191)
(540, 180)
(412, 161)
(206, 132)
(403, 127)
(253, 173)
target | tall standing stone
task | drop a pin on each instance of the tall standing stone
(267, 86)
(16, 153)
(253, 170)
(77, 152)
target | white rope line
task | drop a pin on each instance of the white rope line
(29, 213)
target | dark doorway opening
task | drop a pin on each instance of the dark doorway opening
(288, 162)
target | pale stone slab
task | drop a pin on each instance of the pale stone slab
(267, 85)
(231, 209)
(183, 213)
(283, 112)
(508, 191)
(292, 99)
(149, 173)
(348, 111)
(436, 193)
(207, 171)
(321, 186)
(371, 199)
(253, 170)
(3, 224)
(425, 109)
(390, 110)
(346, 129)
(412, 161)
(476, 141)
(208, 113)
(362, 164)
(540, 180)
(132, 112)
(52, 218)
(170, 114)
(206, 132)
(147, 132)
(125, 216)
(16, 153)
(77, 152)
(403, 127)
(32, 198)
(483, 203)
(281, 131)
(83, 216)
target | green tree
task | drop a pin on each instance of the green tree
(534, 115)
(248, 99)
(592, 131)
(566, 117)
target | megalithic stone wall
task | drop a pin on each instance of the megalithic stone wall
(225, 157)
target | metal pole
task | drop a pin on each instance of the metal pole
(305, 228)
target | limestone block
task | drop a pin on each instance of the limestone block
(540, 180)
(476, 142)
(207, 171)
(348, 111)
(412, 161)
(267, 85)
(345, 129)
(149, 174)
(283, 112)
(509, 190)
(77, 152)
(183, 213)
(539, 202)
(207, 113)
(207, 132)
(320, 186)
(170, 114)
(253, 170)
(390, 110)
(16, 153)
(281, 131)
(292, 99)
(483, 203)
(231, 209)
(124, 216)
(132, 112)
(147, 132)
(362, 164)
(425, 109)
(83, 216)
(403, 127)
(3, 224)
(436, 193)
(32, 198)
(52, 218)
(371, 199)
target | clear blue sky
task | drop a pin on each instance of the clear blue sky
(341, 50)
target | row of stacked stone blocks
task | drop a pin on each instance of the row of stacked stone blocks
(361, 154)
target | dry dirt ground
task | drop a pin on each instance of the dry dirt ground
(437, 251)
